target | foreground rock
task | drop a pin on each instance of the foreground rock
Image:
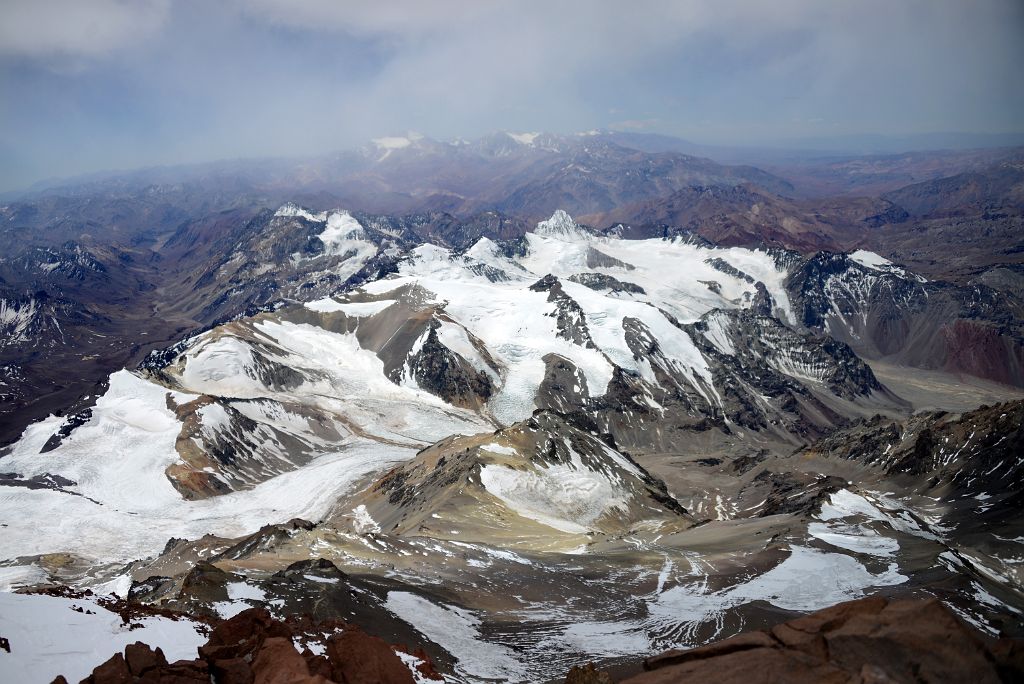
(871, 640)
(253, 648)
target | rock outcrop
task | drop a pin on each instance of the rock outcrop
(254, 648)
(871, 640)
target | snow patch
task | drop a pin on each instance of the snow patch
(570, 498)
(363, 521)
(19, 576)
(871, 260)
(524, 138)
(49, 638)
(353, 309)
(856, 538)
(499, 449)
(457, 631)
(806, 581)
(343, 234)
(294, 210)
(243, 591)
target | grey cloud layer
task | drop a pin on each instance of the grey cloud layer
(198, 80)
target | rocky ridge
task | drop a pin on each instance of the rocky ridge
(870, 641)
(252, 647)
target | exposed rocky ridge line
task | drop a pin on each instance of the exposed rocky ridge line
(442, 372)
(972, 461)
(601, 281)
(572, 321)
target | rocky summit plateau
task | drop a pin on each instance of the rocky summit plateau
(401, 417)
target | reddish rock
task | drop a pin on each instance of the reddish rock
(426, 665)
(358, 658)
(277, 662)
(253, 648)
(231, 671)
(114, 671)
(141, 658)
(317, 664)
(919, 641)
(184, 672)
(870, 641)
(242, 635)
(811, 643)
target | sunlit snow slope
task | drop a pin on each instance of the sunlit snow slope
(274, 417)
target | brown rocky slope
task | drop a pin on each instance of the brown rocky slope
(868, 641)
(253, 648)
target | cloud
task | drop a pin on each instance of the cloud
(156, 81)
(77, 28)
(406, 18)
(635, 124)
(745, 66)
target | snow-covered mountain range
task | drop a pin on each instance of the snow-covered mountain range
(532, 449)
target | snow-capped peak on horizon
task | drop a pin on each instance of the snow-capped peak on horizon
(560, 225)
(290, 209)
(523, 138)
(499, 142)
(397, 142)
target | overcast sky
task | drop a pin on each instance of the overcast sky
(99, 84)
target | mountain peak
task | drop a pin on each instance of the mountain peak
(523, 138)
(561, 226)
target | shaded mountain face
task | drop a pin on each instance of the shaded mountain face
(886, 312)
(966, 228)
(69, 316)
(748, 215)
(990, 189)
(957, 220)
(969, 458)
(831, 175)
(980, 212)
